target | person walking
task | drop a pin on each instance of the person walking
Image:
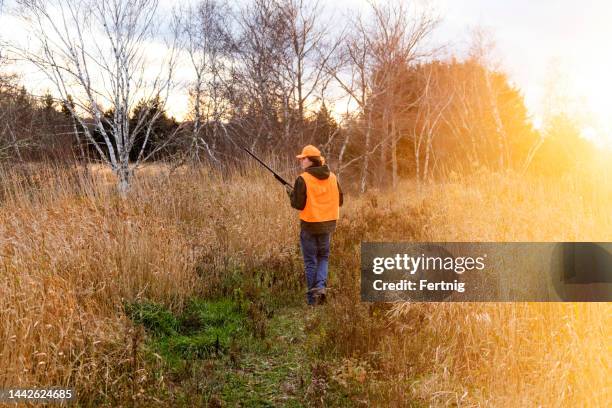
(317, 195)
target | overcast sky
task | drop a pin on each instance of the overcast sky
(538, 38)
(531, 36)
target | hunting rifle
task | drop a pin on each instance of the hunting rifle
(276, 175)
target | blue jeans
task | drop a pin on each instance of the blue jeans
(315, 250)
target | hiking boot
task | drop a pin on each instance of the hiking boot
(318, 295)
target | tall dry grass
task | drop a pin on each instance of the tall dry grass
(72, 253)
(491, 354)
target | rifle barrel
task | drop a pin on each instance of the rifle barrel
(276, 175)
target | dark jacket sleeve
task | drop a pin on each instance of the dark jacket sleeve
(298, 195)
(341, 194)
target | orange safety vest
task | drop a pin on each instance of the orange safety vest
(322, 199)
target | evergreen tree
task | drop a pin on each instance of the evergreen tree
(158, 133)
(325, 126)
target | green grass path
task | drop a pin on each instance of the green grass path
(274, 372)
(217, 354)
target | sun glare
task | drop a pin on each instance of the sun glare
(590, 82)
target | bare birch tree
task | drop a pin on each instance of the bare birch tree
(373, 56)
(352, 70)
(208, 44)
(396, 40)
(481, 50)
(281, 51)
(260, 90)
(309, 50)
(433, 104)
(100, 52)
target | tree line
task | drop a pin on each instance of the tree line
(270, 75)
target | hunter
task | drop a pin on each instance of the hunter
(317, 194)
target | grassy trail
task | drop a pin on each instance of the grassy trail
(214, 355)
(273, 372)
(282, 370)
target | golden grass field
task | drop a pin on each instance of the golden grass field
(72, 252)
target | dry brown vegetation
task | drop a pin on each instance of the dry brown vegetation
(72, 253)
(512, 354)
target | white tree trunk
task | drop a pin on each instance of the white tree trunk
(366, 159)
(123, 178)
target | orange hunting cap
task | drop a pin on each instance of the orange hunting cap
(307, 151)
